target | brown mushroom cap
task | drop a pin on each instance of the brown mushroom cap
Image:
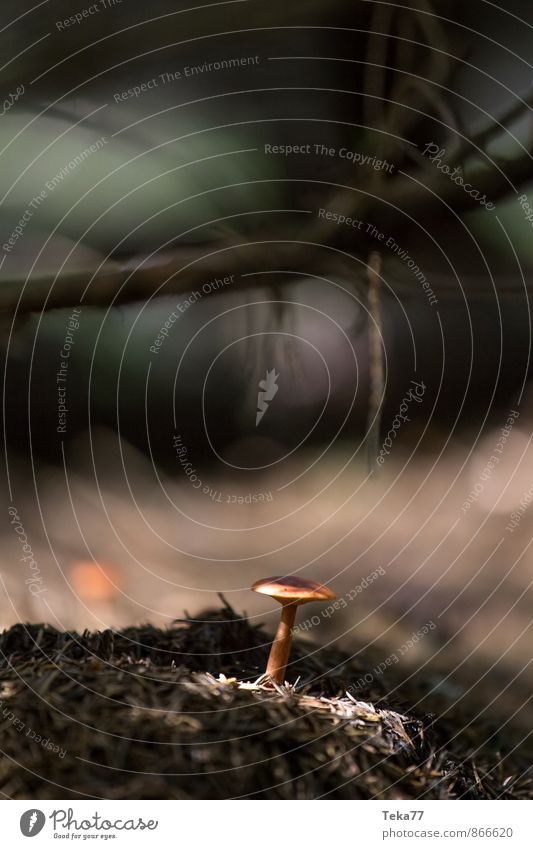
(293, 589)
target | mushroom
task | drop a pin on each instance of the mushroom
(290, 592)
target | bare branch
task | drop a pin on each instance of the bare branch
(176, 274)
(375, 352)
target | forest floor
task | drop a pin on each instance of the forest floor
(183, 713)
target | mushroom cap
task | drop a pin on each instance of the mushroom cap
(292, 589)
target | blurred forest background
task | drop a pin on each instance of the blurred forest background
(180, 196)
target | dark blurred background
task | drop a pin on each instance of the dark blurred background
(169, 170)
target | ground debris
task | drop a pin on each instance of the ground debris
(187, 713)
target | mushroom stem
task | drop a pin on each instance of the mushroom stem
(281, 647)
